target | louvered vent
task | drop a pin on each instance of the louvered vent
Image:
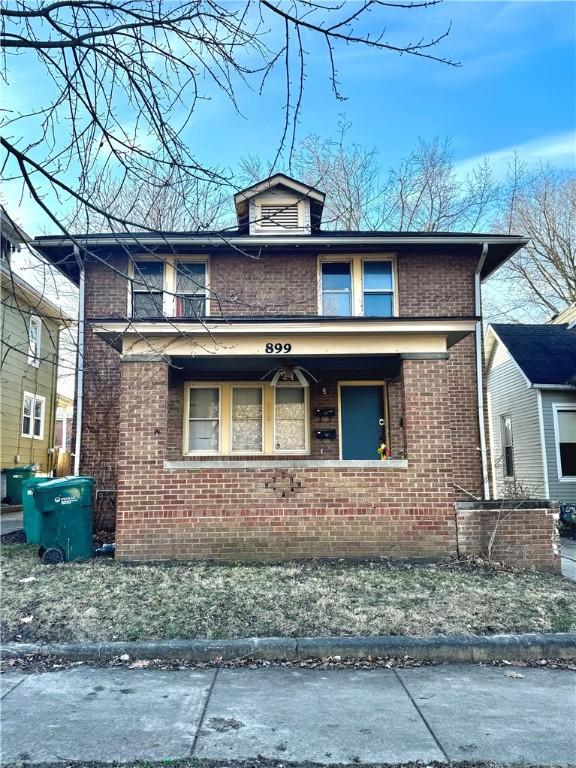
(278, 216)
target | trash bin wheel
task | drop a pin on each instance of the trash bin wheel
(52, 556)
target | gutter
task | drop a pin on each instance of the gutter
(479, 370)
(80, 375)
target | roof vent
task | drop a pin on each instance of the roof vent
(278, 216)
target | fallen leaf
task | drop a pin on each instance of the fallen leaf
(27, 580)
(125, 657)
(139, 664)
(26, 619)
(513, 674)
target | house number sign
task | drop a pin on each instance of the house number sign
(278, 349)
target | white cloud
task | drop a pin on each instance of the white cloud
(557, 149)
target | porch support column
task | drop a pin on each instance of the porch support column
(142, 444)
(427, 428)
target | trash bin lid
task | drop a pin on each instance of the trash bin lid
(64, 482)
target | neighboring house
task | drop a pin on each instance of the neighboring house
(30, 327)
(237, 386)
(64, 422)
(531, 376)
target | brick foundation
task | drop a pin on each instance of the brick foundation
(526, 537)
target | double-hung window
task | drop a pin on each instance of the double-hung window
(507, 446)
(565, 418)
(358, 286)
(34, 333)
(377, 286)
(147, 289)
(247, 423)
(204, 420)
(337, 288)
(33, 409)
(190, 289)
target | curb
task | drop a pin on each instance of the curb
(442, 648)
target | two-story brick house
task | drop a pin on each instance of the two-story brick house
(238, 385)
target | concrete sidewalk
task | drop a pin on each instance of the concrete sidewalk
(452, 712)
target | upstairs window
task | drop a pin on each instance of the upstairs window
(147, 289)
(566, 441)
(507, 446)
(378, 290)
(33, 408)
(34, 333)
(336, 288)
(190, 289)
(358, 286)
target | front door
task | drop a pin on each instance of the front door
(361, 421)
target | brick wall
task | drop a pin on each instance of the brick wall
(525, 537)
(106, 297)
(275, 513)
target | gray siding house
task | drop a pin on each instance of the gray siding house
(531, 380)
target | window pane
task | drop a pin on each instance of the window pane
(567, 426)
(378, 275)
(337, 304)
(247, 419)
(204, 403)
(37, 427)
(26, 424)
(378, 305)
(190, 277)
(336, 276)
(507, 430)
(290, 419)
(28, 406)
(38, 409)
(147, 305)
(148, 275)
(203, 435)
(190, 306)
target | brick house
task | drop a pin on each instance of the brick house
(238, 385)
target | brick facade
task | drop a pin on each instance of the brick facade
(277, 513)
(275, 284)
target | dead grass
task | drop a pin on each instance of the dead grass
(105, 600)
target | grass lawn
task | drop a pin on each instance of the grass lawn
(105, 600)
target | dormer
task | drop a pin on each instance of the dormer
(279, 206)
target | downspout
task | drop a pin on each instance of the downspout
(80, 374)
(479, 371)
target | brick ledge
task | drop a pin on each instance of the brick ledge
(284, 464)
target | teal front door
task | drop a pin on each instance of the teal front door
(361, 421)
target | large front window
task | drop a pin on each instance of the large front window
(241, 418)
(357, 286)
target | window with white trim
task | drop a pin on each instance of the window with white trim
(357, 286)
(246, 418)
(190, 289)
(34, 334)
(566, 441)
(507, 446)
(33, 410)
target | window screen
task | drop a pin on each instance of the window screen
(190, 289)
(147, 286)
(336, 288)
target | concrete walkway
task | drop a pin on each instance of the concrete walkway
(10, 519)
(458, 712)
(569, 558)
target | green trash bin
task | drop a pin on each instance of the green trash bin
(14, 479)
(31, 516)
(65, 508)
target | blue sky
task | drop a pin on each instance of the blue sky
(515, 90)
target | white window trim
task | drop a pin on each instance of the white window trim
(169, 280)
(202, 385)
(357, 278)
(34, 353)
(556, 407)
(306, 450)
(225, 418)
(35, 399)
